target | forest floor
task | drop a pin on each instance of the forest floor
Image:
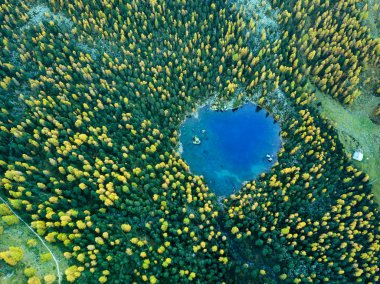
(356, 131)
(18, 235)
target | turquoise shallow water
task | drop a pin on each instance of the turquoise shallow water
(233, 147)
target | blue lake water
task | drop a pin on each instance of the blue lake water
(233, 146)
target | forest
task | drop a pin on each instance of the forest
(92, 95)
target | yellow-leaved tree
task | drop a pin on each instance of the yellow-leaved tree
(12, 256)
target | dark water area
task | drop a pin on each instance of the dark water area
(233, 146)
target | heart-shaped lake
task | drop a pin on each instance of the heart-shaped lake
(229, 147)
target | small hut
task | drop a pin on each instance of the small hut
(358, 155)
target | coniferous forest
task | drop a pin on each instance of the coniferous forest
(92, 96)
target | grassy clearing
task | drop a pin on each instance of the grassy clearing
(373, 21)
(356, 130)
(18, 235)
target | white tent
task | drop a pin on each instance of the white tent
(358, 156)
